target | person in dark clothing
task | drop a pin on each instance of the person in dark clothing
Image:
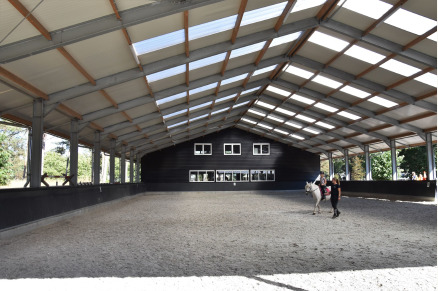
(322, 184)
(336, 196)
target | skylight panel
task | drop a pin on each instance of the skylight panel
(200, 106)
(207, 61)
(293, 124)
(297, 136)
(433, 36)
(326, 125)
(203, 88)
(349, 115)
(256, 112)
(240, 104)
(285, 111)
(305, 118)
(428, 78)
(159, 42)
(281, 131)
(166, 73)
(175, 114)
(382, 101)
(371, 8)
(410, 21)
(220, 110)
(248, 121)
(278, 91)
(400, 68)
(355, 92)
(261, 14)
(249, 91)
(177, 124)
(172, 98)
(311, 130)
(275, 118)
(365, 55)
(299, 72)
(328, 41)
(212, 27)
(285, 39)
(234, 79)
(325, 107)
(306, 4)
(302, 99)
(327, 82)
(247, 49)
(264, 70)
(198, 117)
(264, 126)
(264, 104)
(226, 98)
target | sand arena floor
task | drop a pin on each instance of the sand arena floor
(259, 237)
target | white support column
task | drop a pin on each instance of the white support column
(123, 164)
(96, 159)
(393, 159)
(347, 166)
(112, 160)
(131, 166)
(430, 157)
(368, 175)
(37, 143)
(137, 169)
(74, 145)
(331, 167)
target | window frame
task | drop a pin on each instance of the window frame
(203, 150)
(265, 170)
(232, 149)
(232, 172)
(197, 174)
(261, 144)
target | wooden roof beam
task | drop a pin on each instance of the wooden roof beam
(26, 13)
(238, 20)
(14, 78)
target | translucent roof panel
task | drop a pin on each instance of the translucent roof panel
(177, 124)
(285, 39)
(299, 72)
(293, 124)
(325, 107)
(284, 111)
(355, 92)
(240, 104)
(198, 117)
(382, 101)
(349, 115)
(264, 104)
(212, 27)
(306, 4)
(326, 125)
(166, 73)
(175, 114)
(278, 91)
(234, 79)
(302, 99)
(371, 8)
(201, 105)
(207, 61)
(263, 125)
(256, 112)
(328, 41)
(311, 130)
(203, 88)
(249, 91)
(226, 98)
(220, 110)
(410, 21)
(261, 14)
(275, 118)
(281, 131)
(297, 136)
(248, 121)
(400, 68)
(264, 70)
(428, 78)
(159, 42)
(247, 49)
(326, 82)
(172, 98)
(305, 118)
(363, 54)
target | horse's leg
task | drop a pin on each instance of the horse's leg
(314, 208)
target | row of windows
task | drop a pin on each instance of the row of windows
(232, 149)
(232, 176)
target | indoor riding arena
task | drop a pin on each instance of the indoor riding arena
(198, 125)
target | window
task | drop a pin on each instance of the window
(261, 149)
(201, 175)
(203, 149)
(262, 175)
(232, 176)
(231, 148)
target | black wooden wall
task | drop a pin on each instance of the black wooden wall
(168, 169)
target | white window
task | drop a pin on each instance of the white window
(201, 175)
(232, 176)
(261, 149)
(203, 149)
(232, 149)
(262, 175)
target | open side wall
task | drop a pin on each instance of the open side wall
(169, 169)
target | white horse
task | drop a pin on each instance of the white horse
(316, 193)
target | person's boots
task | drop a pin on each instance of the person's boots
(335, 213)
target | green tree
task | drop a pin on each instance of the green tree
(339, 166)
(84, 167)
(62, 147)
(415, 159)
(6, 173)
(16, 143)
(324, 166)
(357, 168)
(54, 163)
(381, 165)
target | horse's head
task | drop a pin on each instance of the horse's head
(308, 188)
